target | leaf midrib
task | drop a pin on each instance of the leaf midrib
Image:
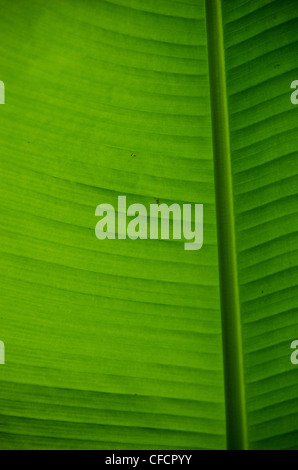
(228, 273)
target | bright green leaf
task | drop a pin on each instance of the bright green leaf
(128, 344)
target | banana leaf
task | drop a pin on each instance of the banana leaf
(139, 344)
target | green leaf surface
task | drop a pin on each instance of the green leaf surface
(261, 41)
(139, 344)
